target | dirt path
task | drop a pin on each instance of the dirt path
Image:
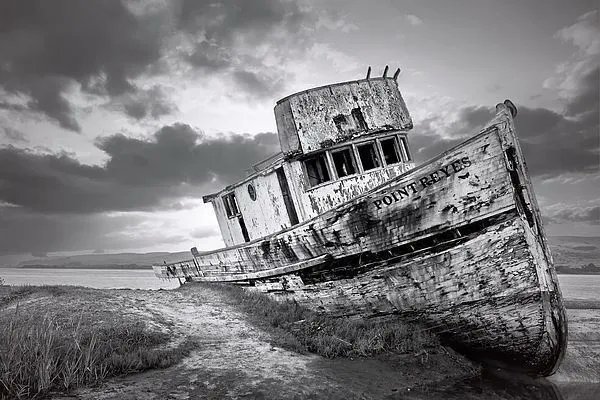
(236, 360)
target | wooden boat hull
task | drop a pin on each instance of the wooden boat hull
(456, 244)
(483, 294)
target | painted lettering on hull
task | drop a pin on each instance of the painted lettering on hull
(422, 183)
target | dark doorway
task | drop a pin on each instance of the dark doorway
(287, 199)
(243, 227)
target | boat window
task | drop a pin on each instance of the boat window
(390, 150)
(231, 206)
(316, 169)
(369, 157)
(359, 119)
(343, 160)
(252, 192)
(405, 151)
(340, 123)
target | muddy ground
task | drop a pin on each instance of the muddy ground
(235, 359)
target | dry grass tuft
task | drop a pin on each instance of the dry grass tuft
(44, 349)
(300, 329)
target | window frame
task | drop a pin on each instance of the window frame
(373, 143)
(328, 164)
(400, 146)
(407, 157)
(350, 149)
(230, 199)
(396, 147)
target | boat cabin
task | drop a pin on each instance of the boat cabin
(337, 142)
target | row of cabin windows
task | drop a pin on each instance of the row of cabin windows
(371, 154)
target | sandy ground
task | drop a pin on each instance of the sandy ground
(235, 360)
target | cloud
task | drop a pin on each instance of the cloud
(554, 143)
(53, 52)
(247, 42)
(584, 34)
(23, 231)
(144, 103)
(97, 45)
(204, 232)
(258, 84)
(14, 135)
(565, 213)
(177, 161)
(413, 19)
(334, 22)
(339, 60)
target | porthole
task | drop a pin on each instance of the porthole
(252, 192)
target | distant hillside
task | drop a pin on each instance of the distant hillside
(120, 260)
(575, 254)
(572, 254)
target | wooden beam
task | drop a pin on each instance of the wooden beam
(236, 277)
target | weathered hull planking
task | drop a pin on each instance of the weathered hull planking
(456, 243)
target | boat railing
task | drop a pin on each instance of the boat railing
(177, 269)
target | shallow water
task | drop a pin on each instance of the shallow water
(585, 287)
(499, 385)
(93, 278)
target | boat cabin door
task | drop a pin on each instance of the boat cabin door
(287, 198)
(233, 211)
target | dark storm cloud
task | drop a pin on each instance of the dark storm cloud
(259, 85)
(227, 21)
(139, 174)
(51, 47)
(143, 103)
(232, 27)
(46, 46)
(23, 231)
(553, 143)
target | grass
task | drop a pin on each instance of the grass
(299, 329)
(74, 340)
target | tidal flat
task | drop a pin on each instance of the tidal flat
(203, 341)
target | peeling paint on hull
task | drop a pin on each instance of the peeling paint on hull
(456, 243)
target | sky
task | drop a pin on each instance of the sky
(117, 116)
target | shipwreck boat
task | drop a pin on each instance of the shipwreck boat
(341, 221)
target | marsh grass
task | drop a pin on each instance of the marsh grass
(48, 349)
(300, 329)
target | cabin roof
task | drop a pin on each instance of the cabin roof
(380, 78)
(260, 168)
